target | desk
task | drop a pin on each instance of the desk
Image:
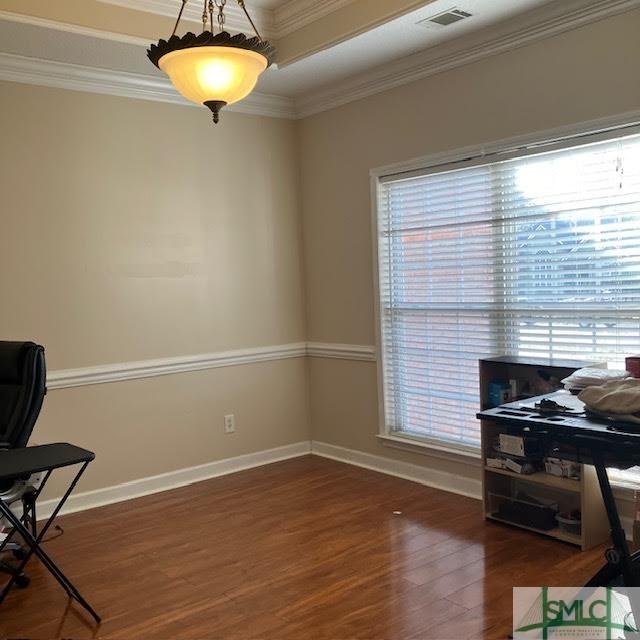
(587, 440)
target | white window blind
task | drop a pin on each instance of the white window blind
(537, 255)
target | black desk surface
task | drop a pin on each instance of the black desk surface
(15, 463)
(621, 440)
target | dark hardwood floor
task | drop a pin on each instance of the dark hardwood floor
(303, 549)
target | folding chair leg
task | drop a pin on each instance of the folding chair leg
(55, 571)
(35, 548)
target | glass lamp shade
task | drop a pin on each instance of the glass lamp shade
(212, 69)
(213, 74)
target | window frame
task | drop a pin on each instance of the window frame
(476, 155)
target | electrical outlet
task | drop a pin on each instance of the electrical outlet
(230, 424)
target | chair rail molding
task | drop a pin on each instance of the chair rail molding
(65, 378)
(119, 372)
(341, 351)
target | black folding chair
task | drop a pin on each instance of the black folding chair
(16, 463)
(22, 391)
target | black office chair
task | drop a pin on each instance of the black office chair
(22, 391)
(24, 471)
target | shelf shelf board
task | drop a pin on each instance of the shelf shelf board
(540, 477)
(553, 533)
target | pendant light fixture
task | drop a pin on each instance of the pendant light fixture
(213, 69)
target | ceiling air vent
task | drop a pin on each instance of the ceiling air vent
(447, 18)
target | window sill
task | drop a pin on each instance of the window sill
(434, 450)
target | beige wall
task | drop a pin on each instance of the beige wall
(147, 427)
(134, 230)
(584, 74)
(142, 230)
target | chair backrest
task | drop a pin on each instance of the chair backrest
(23, 379)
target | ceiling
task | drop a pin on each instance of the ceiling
(348, 55)
(390, 41)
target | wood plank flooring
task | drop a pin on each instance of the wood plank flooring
(303, 549)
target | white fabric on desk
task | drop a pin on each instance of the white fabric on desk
(616, 398)
(588, 377)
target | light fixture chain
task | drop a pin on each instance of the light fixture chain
(226, 78)
(246, 13)
(220, 4)
(205, 17)
(175, 28)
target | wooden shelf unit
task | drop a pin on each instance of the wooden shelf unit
(541, 477)
(583, 494)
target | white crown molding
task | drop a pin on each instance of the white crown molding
(295, 14)
(290, 17)
(63, 75)
(173, 479)
(235, 18)
(341, 351)
(65, 378)
(550, 20)
(73, 28)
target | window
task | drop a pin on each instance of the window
(537, 254)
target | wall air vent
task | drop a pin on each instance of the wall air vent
(445, 19)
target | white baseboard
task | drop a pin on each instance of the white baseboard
(435, 478)
(427, 476)
(183, 477)
(173, 479)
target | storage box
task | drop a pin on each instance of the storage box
(524, 510)
(514, 466)
(562, 468)
(499, 393)
(569, 523)
(513, 445)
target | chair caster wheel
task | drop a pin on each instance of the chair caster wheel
(22, 581)
(19, 554)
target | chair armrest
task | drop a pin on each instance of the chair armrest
(15, 463)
